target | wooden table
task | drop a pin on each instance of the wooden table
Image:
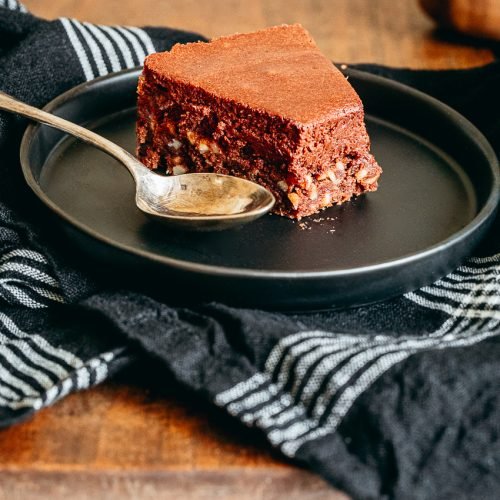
(122, 440)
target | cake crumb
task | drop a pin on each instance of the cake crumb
(324, 222)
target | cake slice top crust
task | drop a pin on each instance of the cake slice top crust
(277, 70)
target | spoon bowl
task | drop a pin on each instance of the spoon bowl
(197, 201)
(202, 201)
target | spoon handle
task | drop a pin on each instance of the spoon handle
(10, 104)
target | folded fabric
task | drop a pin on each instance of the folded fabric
(395, 400)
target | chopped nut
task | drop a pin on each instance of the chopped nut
(174, 144)
(203, 147)
(191, 136)
(313, 193)
(371, 180)
(340, 166)
(322, 176)
(283, 186)
(332, 176)
(295, 199)
(327, 199)
(361, 174)
(179, 170)
(307, 181)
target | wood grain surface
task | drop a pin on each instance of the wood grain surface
(122, 440)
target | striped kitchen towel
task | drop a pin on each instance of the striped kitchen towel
(394, 400)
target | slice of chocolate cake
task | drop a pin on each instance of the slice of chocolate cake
(267, 106)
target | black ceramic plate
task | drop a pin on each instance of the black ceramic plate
(436, 198)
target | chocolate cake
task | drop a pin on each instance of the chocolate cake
(267, 106)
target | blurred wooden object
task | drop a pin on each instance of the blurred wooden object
(120, 441)
(480, 18)
(391, 32)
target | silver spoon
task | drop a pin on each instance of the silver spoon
(200, 202)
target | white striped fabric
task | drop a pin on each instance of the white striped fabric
(79, 49)
(95, 370)
(143, 37)
(95, 51)
(107, 46)
(104, 49)
(366, 379)
(13, 5)
(15, 337)
(34, 373)
(312, 379)
(24, 253)
(134, 42)
(472, 290)
(242, 388)
(26, 279)
(121, 44)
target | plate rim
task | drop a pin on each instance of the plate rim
(484, 215)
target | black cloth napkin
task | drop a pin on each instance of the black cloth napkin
(395, 400)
